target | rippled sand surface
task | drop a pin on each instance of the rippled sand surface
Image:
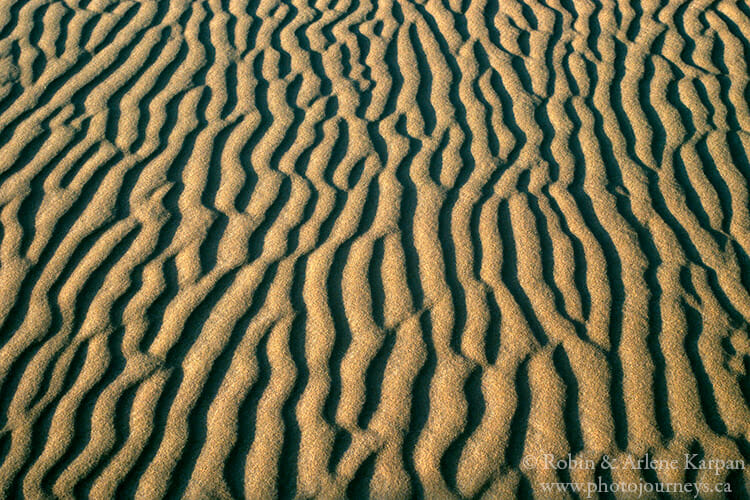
(370, 247)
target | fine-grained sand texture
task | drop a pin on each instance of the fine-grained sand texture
(370, 247)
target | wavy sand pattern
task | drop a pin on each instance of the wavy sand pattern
(389, 247)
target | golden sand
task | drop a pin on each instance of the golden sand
(377, 248)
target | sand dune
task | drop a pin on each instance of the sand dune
(377, 248)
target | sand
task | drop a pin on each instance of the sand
(371, 248)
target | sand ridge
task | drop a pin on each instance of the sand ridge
(375, 248)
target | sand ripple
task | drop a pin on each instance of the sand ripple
(327, 249)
